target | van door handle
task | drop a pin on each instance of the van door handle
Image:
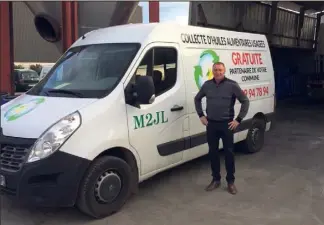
(176, 108)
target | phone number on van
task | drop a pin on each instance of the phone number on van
(256, 92)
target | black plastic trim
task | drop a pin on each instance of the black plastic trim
(189, 142)
(50, 182)
(15, 140)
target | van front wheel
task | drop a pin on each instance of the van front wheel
(255, 137)
(105, 187)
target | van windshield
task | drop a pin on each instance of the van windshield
(90, 71)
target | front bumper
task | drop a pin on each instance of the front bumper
(51, 182)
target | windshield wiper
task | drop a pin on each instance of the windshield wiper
(77, 94)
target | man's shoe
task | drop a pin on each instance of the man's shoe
(213, 185)
(231, 189)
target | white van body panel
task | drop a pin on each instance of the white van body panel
(43, 113)
(109, 123)
(156, 124)
(103, 127)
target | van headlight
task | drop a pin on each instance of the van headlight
(53, 138)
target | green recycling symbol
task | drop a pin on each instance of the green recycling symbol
(22, 109)
(203, 71)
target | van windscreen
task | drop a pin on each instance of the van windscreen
(90, 71)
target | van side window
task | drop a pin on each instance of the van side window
(161, 64)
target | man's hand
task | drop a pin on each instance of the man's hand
(203, 120)
(233, 125)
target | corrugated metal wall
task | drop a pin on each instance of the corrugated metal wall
(292, 63)
(30, 47)
(254, 17)
(287, 28)
(28, 44)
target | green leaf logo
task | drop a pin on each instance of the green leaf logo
(207, 57)
(22, 109)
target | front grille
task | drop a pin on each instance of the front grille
(12, 157)
(13, 152)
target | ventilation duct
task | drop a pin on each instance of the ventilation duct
(92, 15)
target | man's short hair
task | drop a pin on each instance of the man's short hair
(219, 63)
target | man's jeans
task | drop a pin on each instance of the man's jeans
(215, 132)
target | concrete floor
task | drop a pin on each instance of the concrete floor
(283, 184)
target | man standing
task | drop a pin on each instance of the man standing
(221, 94)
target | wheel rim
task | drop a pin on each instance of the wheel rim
(257, 137)
(108, 187)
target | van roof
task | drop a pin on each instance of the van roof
(160, 32)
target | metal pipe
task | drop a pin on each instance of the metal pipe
(75, 20)
(154, 11)
(6, 47)
(69, 23)
(66, 25)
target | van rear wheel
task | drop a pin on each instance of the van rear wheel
(105, 187)
(255, 137)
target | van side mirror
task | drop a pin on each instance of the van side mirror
(142, 92)
(144, 89)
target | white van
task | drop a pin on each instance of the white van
(118, 108)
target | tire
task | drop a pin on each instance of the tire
(255, 137)
(91, 199)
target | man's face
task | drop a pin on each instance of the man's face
(219, 71)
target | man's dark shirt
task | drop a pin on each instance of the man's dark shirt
(221, 99)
